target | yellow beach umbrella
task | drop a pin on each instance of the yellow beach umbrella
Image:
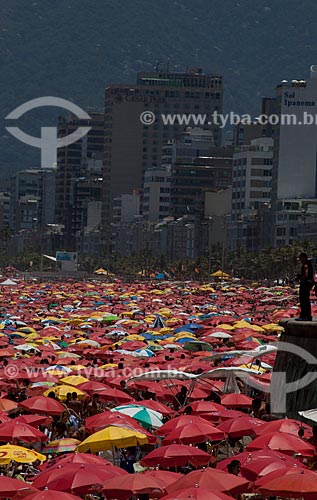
(171, 321)
(257, 328)
(101, 270)
(53, 318)
(110, 437)
(256, 369)
(78, 339)
(224, 326)
(27, 329)
(108, 366)
(62, 390)
(19, 454)
(76, 368)
(166, 329)
(165, 312)
(245, 324)
(128, 314)
(181, 335)
(167, 341)
(32, 336)
(272, 327)
(74, 380)
(220, 274)
(241, 324)
(134, 337)
(207, 288)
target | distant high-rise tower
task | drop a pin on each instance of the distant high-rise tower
(251, 195)
(294, 166)
(81, 160)
(33, 199)
(132, 147)
(294, 173)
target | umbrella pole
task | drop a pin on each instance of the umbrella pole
(191, 388)
(207, 383)
(169, 386)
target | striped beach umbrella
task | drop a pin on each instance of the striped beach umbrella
(147, 417)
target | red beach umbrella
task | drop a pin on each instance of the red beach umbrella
(176, 455)
(288, 425)
(291, 484)
(197, 493)
(241, 426)
(133, 484)
(74, 477)
(43, 405)
(264, 466)
(14, 488)
(280, 441)
(236, 401)
(194, 433)
(52, 495)
(15, 431)
(211, 479)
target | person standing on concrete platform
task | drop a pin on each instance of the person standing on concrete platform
(306, 283)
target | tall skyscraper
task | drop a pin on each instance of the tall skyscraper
(156, 193)
(80, 161)
(5, 203)
(294, 173)
(295, 164)
(251, 194)
(191, 144)
(244, 133)
(32, 199)
(191, 180)
(131, 146)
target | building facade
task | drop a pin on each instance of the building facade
(156, 193)
(294, 174)
(79, 169)
(33, 199)
(131, 146)
(251, 195)
(190, 181)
